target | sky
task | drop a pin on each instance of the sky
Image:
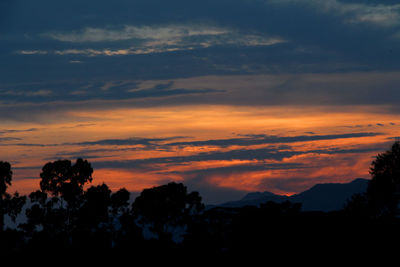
(227, 97)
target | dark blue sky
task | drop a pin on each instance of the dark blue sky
(209, 37)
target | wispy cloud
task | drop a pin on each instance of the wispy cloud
(260, 157)
(170, 33)
(128, 141)
(6, 139)
(29, 93)
(244, 141)
(385, 15)
(7, 131)
(32, 52)
(270, 139)
(152, 39)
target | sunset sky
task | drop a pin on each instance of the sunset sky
(226, 96)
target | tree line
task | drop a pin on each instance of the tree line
(64, 216)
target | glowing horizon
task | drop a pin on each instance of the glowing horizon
(200, 145)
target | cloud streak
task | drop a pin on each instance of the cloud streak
(245, 141)
(383, 15)
(260, 155)
(133, 141)
(162, 33)
(153, 39)
(270, 139)
(7, 131)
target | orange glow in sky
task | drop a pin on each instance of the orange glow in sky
(184, 149)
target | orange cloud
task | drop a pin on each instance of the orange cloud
(319, 161)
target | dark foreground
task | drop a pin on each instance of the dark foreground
(271, 232)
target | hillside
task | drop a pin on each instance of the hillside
(321, 197)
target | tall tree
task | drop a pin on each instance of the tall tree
(383, 193)
(166, 206)
(5, 177)
(95, 209)
(10, 205)
(64, 179)
(61, 178)
(5, 181)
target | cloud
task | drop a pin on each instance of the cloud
(6, 139)
(234, 172)
(7, 131)
(167, 34)
(374, 92)
(245, 141)
(261, 139)
(153, 39)
(133, 141)
(384, 15)
(314, 36)
(26, 93)
(81, 91)
(239, 154)
(32, 52)
(257, 155)
(143, 143)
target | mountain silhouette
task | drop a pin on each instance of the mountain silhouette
(321, 197)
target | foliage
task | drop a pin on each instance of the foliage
(384, 189)
(5, 177)
(64, 179)
(10, 205)
(166, 206)
(65, 216)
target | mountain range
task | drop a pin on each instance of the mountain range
(321, 197)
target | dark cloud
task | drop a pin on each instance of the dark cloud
(323, 91)
(133, 141)
(144, 143)
(83, 91)
(165, 143)
(6, 139)
(151, 163)
(27, 144)
(248, 140)
(87, 153)
(7, 131)
(81, 125)
(260, 154)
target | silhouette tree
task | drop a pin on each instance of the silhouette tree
(94, 210)
(10, 205)
(5, 177)
(46, 219)
(36, 214)
(357, 206)
(61, 178)
(5, 181)
(120, 201)
(383, 190)
(166, 206)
